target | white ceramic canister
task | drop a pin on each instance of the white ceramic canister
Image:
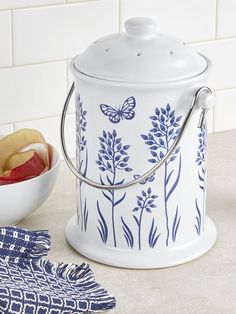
(141, 102)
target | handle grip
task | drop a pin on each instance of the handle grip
(194, 105)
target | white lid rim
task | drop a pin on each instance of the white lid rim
(76, 72)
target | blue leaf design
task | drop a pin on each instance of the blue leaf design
(169, 176)
(200, 178)
(85, 215)
(175, 225)
(103, 230)
(198, 218)
(152, 160)
(120, 182)
(157, 111)
(84, 210)
(172, 158)
(120, 200)
(145, 137)
(176, 180)
(136, 219)
(128, 234)
(107, 196)
(152, 239)
(172, 113)
(165, 128)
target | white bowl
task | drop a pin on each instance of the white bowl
(18, 200)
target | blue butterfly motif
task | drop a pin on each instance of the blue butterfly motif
(123, 112)
(148, 179)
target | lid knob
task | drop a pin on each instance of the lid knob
(140, 27)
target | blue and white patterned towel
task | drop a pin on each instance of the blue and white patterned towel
(21, 245)
(31, 285)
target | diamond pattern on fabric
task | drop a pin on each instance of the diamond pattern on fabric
(29, 284)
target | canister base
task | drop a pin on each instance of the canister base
(133, 259)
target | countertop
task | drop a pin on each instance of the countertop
(205, 285)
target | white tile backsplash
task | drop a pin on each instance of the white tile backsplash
(60, 32)
(50, 128)
(12, 4)
(5, 39)
(222, 54)
(191, 20)
(39, 37)
(6, 129)
(225, 111)
(226, 18)
(32, 92)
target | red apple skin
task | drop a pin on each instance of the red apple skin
(30, 169)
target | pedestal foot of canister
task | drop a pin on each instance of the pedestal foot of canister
(136, 259)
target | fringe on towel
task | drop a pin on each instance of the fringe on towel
(96, 298)
(41, 244)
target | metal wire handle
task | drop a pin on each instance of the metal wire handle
(149, 172)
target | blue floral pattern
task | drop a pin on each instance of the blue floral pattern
(164, 131)
(81, 143)
(145, 204)
(200, 161)
(112, 159)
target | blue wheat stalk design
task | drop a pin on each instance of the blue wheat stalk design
(144, 204)
(112, 159)
(81, 143)
(201, 159)
(153, 236)
(164, 131)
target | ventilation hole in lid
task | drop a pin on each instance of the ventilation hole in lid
(184, 43)
(139, 54)
(171, 52)
(95, 42)
(108, 49)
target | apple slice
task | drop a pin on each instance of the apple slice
(18, 140)
(32, 167)
(18, 159)
(17, 165)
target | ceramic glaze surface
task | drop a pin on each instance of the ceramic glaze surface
(121, 133)
(129, 114)
(140, 54)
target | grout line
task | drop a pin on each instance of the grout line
(12, 41)
(7, 123)
(119, 17)
(213, 40)
(217, 19)
(34, 64)
(14, 123)
(67, 76)
(225, 89)
(39, 119)
(48, 5)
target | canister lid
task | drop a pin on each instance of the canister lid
(140, 54)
